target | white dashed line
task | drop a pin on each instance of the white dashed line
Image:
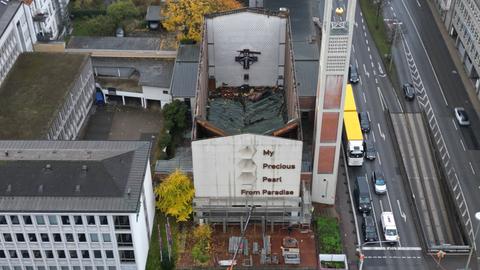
(455, 125)
(463, 146)
(471, 167)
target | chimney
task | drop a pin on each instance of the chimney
(6, 153)
(48, 167)
(40, 189)
(9, 188)
(84, 168)
(77, 188)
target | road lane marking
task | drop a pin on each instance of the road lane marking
(373, 135)
(382, 100)
(471, 167)
(366, 41)
(380, 131)
(379, 160)
(404, 216)
(463, 146)
(368, 49)
(453, 121)
(455, 187)
(364, 98)
(393, 248)
(425, 50)
(418, 3)
(376, 80)
(381, 205)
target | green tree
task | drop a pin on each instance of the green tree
(202, 236)
(186, 16)
(175, 117)
(122, 10)
(175, 195)
(99, 26)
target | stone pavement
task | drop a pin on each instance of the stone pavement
(450, 42)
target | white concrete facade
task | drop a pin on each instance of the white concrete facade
(79, 240)
(18, 37)
(332, 79)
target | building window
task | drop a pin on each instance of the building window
(76, 268)
(122, 222)
(25, 254)
(12, 254)
(40, 267)
(94, 237)
(106, 237)
(126, 256)
(97, 254)
(61, 254)
(103, 220)
(3, 220)
(124, 239)
(112, 268)
(88, 268)
(100, 268)
(37, 254)
(91, 220)
(82, 237)
(57, 237)
(52, 268)
(44, 237)
(14, 220)
(20, 237)
(108, 254)
(32, 237)
(64, 268)
(27, 220)
(40, 220)
(73, 254)
(2, 254)
(66, 220)
(28, 267)
(78, 220)
(52, 220)
(85, 254)
(7, 237)
(165, 92)
(69, 237)
(49, 254)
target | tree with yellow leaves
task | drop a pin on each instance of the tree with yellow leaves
(186, 16)
(175, 195)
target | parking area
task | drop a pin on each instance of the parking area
(112, 122)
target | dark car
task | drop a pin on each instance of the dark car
(370, 152)
(409, 91)
(362, 195)
(353, 74)
(364, 121)
(369, 229)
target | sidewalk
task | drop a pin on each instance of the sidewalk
(467, 83)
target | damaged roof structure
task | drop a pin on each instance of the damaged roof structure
(246, 76)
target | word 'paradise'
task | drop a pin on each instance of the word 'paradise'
(282, 192)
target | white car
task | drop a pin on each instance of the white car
(379, 182)
(462, 117)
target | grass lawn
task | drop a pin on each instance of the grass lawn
(79, 27)
(379, 33)
(153, 260)
(328, 233)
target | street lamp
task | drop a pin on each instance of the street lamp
(477, 217)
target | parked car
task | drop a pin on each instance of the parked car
(462, 117)
(370, 151)
(353, 74)
(369, 229)
(409, 91)
(364, 121)
(379, 182)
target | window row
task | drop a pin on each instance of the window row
(56, 254)
(57, 237)
(53, 220)
(58, 268)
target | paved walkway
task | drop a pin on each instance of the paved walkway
(450, 42)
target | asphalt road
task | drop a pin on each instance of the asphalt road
(423, 59)
(375, 94)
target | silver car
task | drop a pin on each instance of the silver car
(462, 117)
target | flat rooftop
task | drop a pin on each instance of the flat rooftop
(238, 110)
(146, 71)
(7, 12)
(33, 91)
(120, 43)
(72, 175)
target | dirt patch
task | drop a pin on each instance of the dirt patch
(305, 238)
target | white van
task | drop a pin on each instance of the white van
(389, 228)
